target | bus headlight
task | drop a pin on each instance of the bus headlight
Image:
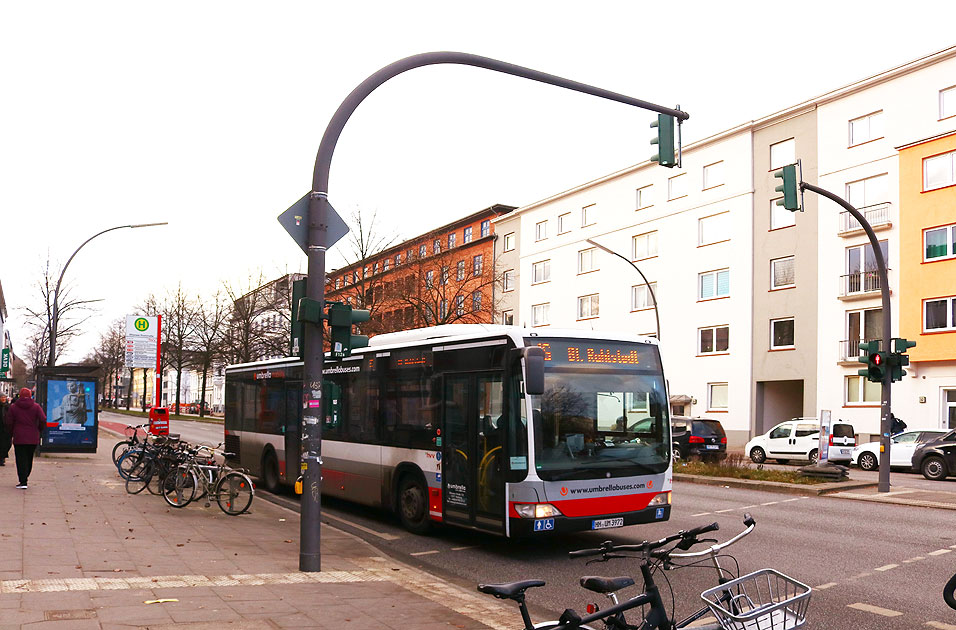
(664, 498)
(537, 510)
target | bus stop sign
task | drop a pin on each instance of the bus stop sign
(295, 220)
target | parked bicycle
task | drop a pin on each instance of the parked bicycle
(198, 475)
(132, 440)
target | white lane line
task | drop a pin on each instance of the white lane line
(916, 559)
(424, 553)
(789, 500)
(886, 567)
(463, 548)
(383, 535)
(876, 610)
(727, 510)
(770, 503)
(701, 514)
(824, 587)
(861, 575)
(939, 552)
(940, 625)
(952, 546)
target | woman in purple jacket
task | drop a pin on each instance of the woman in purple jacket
(25, 420)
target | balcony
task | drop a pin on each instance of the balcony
(859, 285)
(850, 350)
(877, 215)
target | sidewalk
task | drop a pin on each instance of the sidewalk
(78, 552)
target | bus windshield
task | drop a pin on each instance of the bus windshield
(604, 411)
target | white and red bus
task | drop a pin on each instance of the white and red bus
(497, 428)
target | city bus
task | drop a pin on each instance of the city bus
(501, 429)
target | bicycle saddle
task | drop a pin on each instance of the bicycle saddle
(509, 590)
(605, 585)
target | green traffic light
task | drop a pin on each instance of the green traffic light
(341, 318)
(665, 142)
(789, 187)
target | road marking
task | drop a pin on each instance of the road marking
(727, 510)
(701, 514)
(463, 548)
(916, 559)
(876, 610)
(952, 546)
(770, 503)
(886, 567)
(824, 587)
(940, 625)
(861, 575)
(939, 552)
(789, 500)
(382, 535)
(424, 553)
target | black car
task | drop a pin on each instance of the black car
(937, 459)
(698, 437)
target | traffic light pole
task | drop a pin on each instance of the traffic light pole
(309, 549)
(885, 416)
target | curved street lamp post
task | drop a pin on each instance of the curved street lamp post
(51, 362)
(657, 316)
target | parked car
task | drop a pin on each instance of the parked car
(698, 437)
(799, 438)
(936, 459)
(842, 442)
(867, 456)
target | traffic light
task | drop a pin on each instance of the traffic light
(789, 187)
(665, 142)
(341, 318)
(874, 359)
(899, 359)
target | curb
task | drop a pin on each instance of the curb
(776, 486)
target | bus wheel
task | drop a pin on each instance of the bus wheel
(413, 505)
(270, 472)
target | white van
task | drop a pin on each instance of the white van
(799, 438)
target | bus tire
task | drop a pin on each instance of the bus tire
(270, 471)
(412, 504)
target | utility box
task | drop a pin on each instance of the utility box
(159, 421)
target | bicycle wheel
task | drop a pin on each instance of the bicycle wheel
(139, 477)
(179, 489)
(119, 449)
(128, 461)
(234, 493)
(160, 471)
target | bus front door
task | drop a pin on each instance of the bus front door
(473, 492)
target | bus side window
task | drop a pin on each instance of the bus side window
(248, 407)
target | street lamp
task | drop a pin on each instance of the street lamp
(646, 283)
(56, 292)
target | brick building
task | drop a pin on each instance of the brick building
(447, 275)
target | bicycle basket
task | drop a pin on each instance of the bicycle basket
(762, 600)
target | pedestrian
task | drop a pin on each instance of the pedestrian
(24, 421)
(4, 434)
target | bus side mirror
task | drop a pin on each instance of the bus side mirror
(534, 371)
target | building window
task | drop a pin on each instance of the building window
(355, 277)
(476, 265)
(866, 128)
(677, 187)
(442, 309)
(365, 273)
(509, 241)
(459, 305)
(508, 318)
(863, 325)
(782, 273)
(541, 272)
(714, 284)
(436, 246)
(588, 306)
(867, 192)
(451, 240)
(375, 268)
(398, 259)
(947, 102)
(713, 175)
(444, 275)
(586, 261)
(644, 246)
(466, 236)
(460, 275)
(508, 280)
(564, 223)
(643, 197)
(713, 340)
(781, 333)
(939, 314)
(422, 250)
(540, 230)
(782, 153)
(713, 229)
(385, 264)
(716, 396)
(476, 301)
(939, 171)
(780, 217)
(588, 215)
(338, 283)
(485, 228)
(540, 314)
(939, 243)
(861, 269)
(429, 279)
(641, 297)
(860, 391)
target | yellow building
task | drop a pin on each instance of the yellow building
(928, 275)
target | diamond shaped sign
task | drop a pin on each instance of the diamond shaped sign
(295, 220)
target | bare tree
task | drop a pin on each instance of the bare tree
(248, 303)
(110, 353)
(180, 320)
(212, 317)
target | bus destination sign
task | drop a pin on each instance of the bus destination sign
(559, 352)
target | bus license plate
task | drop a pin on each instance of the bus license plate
(604, 523)
(713, 446)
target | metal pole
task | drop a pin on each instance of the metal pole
(884, 481)
(657, 316)
(309, 527)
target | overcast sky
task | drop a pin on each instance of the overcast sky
(208, 115)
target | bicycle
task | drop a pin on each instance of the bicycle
(734, 603)
(231, 488)
(131, 441)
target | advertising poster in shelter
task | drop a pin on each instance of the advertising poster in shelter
(70, 413)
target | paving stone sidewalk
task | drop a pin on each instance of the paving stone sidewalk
(78, 552)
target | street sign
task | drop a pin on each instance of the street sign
(295, 220)
(141, 341)
(5, 362)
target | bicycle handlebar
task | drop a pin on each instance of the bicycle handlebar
(608, 547)
(713, 549)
